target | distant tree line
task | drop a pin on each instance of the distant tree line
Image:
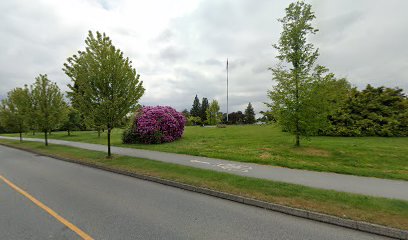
(206, 113)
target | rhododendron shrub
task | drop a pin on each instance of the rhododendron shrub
(155, 125)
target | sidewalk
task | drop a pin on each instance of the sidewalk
(324, 180)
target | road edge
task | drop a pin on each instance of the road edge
(320, 217)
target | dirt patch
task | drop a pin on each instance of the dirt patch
(313, 152)
(402, 171)
(265, 156)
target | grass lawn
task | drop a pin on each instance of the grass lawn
(382, 211)
(365, 156)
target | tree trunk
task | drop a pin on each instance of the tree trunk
(46, 137)
(297, 120)
(99, 132)
(109, 144)
(69, 133)
(21, 136)
(297, 140)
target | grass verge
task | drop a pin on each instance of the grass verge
(388, 212)
(382, 157)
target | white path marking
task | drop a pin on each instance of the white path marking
(234, 167)
(226, 166)
(197, 161)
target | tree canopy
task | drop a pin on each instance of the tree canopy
(213, 113)
(50, 109)
(235, 118)
(196, 108)
(203, 112)
(105, 87)
(73, 121)
(250, 114)
(298, 98)
(15, 110)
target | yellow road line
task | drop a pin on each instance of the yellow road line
(48, 210)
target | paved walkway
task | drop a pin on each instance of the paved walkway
(324, 180)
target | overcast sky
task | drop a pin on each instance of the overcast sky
(180, 47)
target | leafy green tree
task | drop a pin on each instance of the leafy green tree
(196, 109)
(105, 85)
(213, 113)
(193, 121)
(73, 121)
(204, 106)
(32, 121)
(96, 124)
(326, 93)
(88, 120)
(294, 98)
(249, 114)
(15, 110)
(49, 106)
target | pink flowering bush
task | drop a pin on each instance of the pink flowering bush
(155, 125)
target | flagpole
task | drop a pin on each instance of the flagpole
(227, 90)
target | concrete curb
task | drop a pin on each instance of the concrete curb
(352, 224)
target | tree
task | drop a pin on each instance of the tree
(203, 111)
(73, 121)
(193, 121)
(2, 127)
(267, 117)
(249, 114)
(196, 109)
(213, 113)
(294, 96)
(88, 122)
(105, 85)
(186, 113)
(15, 110)
(234, 118)
(49, 105)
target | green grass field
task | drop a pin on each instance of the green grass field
(365, 156)
(382, 211)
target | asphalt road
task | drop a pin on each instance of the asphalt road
(324, 180)
(105, 205)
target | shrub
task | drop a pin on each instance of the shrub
(155, 125)
(371, 112)
(193, 121)
(129, 135)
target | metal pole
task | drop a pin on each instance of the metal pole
(227, 90)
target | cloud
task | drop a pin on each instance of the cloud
(172, 54)
(180, 48)
(364, 41)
